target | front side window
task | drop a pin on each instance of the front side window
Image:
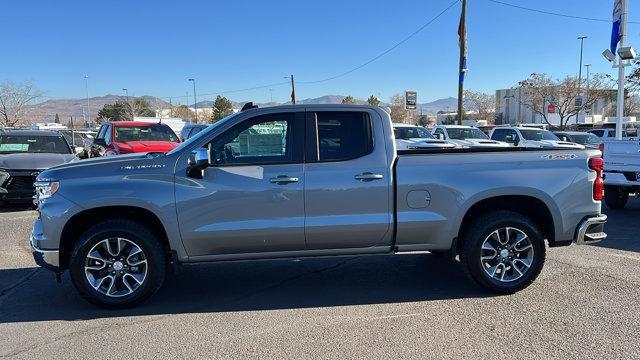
(499, 134)
(343, 135)
(144, 133)
(263, 140)
(13, 144)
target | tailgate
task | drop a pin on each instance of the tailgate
(622, 155)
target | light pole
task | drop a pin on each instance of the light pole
(293, 89)
(271, 95)
(126, 94)
(581, 38)
(195, 99)
(588, 66)
(86, 86)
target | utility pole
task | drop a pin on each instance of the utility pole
(293, 91)
(126, 93)
(462, 32)
(195, 99)
(621, 65)
(86, 85)
(588, 66)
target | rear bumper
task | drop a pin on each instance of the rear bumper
(626, 179)
(591, 230)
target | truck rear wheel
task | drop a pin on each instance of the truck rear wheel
(503, 251)
(117, 264)
(615, 196)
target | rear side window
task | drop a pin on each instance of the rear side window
(598, 133)
(343, 135)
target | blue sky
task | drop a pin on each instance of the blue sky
(152, 47)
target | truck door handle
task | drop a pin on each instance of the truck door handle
(367, 176)
(284, 179)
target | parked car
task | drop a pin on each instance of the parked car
(191, 130)
(310, 180)
(23, 155)
(125, 137)
(586, 139)
(529, 137)
(80, 141)
(621, 171)
(411, 137)
(465, 136)
(603, 133)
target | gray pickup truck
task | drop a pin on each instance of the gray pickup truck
(312, 180)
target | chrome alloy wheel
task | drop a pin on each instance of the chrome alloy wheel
(115, 267)
(507, 254)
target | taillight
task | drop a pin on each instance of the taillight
(601, 147)
(597, 164)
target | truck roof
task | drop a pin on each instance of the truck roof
(30, 132)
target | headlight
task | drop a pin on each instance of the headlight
(46, 189)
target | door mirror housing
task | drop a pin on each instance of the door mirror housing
(510, 139)
(439, 136)
(198, 161)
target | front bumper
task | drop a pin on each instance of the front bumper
(591, 230)
(46, 258)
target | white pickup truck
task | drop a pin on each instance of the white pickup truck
(621, 171)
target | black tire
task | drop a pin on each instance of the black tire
(144, 238)
(481, 229)
(615, 196)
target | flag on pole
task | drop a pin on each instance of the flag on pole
(616, 30)
(462, 43)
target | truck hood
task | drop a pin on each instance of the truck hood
(34, 161)
(404, 144)
(552, 144)
(145, 146)
(479, 143)
(96, 166)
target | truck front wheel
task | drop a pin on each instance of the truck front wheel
(503, 251)
(615, 196)
(117, 264)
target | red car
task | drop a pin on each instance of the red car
(125, 137)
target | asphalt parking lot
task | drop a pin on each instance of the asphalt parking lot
(583, 305)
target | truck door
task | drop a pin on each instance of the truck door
(251, 199)
(347, 181)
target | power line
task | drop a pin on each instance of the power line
(229, 91)
(555, 13)
(386, 51)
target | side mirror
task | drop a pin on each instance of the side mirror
(439, 136)
(198, 161)
(510, 139)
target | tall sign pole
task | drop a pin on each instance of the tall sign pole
(621, 65)
(462, 68)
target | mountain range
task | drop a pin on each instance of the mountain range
(77, 108)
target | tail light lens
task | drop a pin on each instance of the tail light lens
(597, 164)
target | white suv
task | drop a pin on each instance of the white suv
(466, 136)
(412, 137)
(531, 138)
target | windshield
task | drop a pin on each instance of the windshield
(144, 133)
(202, 133)
(466, 133)
(586, 139)
(412, 132)
(14, 144)
(537, 135)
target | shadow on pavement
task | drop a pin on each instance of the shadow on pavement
(254, 286)
(623, 227)
(5, 208)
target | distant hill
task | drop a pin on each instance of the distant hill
(65, 108)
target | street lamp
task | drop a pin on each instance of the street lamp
(588, 66)
(126, 93)
(195, 100)
(581, 38)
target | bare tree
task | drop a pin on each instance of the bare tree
(399, 113)
(541, 90)
(14, 99)
(483, 103)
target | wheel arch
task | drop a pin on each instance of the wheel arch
(530, 206)
(79, 223)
